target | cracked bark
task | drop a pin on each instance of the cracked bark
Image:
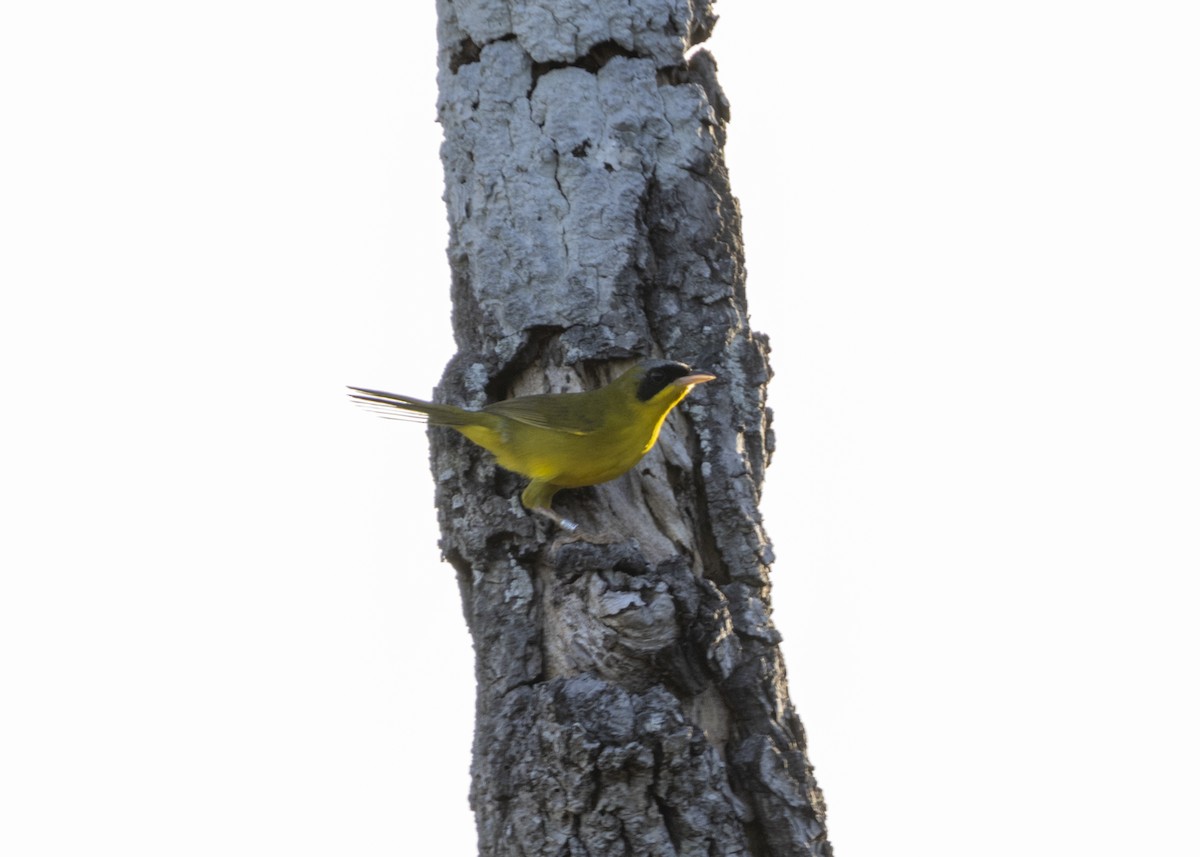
(632, 699)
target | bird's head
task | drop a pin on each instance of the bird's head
(655, 379)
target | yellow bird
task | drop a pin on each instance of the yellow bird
(565, 440)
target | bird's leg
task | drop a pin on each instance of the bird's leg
(536, 498)
(566, 523)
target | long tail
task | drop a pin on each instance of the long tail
(400, 407)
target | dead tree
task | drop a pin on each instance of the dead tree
(632, 699)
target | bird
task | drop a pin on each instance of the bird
(562, 440)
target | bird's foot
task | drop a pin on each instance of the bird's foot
(563, 522)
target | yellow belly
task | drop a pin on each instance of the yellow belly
(563, 459)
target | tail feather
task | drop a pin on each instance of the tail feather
(395, 406)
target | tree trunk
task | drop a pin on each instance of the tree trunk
(632, 698)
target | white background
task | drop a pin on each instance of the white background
(972, 233)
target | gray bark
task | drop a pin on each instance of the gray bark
(632, 699)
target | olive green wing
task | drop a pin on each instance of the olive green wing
(573, 413)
